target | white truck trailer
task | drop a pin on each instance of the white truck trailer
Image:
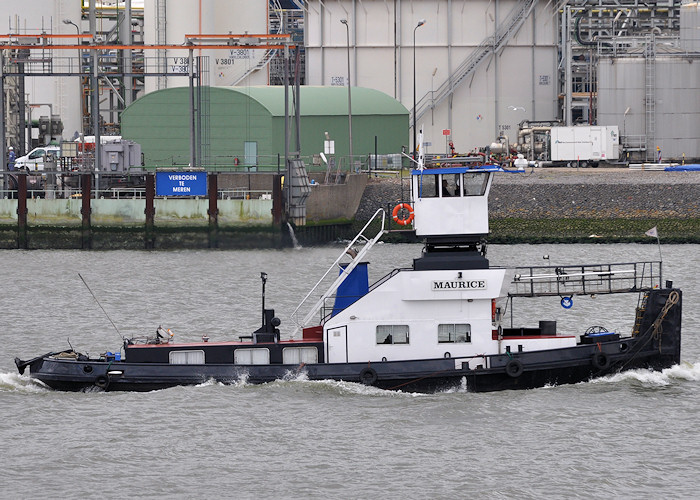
(584, 145)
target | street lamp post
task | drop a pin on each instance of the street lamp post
(347, 31)
(415, 146)
(77, 31)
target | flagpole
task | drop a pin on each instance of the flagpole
(654, 232)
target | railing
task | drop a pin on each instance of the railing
(586, 279)
(53, 184)
(633, 143)
(133, 194)
(231, 163)
(633, 46)
(265, 163)
(356, 256)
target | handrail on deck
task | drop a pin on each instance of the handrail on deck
(586, 279)
(344, 271)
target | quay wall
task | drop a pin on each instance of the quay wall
(325, 202)
(542, 205)
(328, 200)
(244, 218)
(131, 212)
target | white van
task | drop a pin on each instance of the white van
(37, 157)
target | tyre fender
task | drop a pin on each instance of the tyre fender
(600, 361)
(102, 381)
(368, 376)
(514, 368)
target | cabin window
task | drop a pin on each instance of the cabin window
(299, 355)
(454, 333)
(449, 185)
(475, 183)
(392, 334)
(258, 356)
(427, 186)
(186, 357)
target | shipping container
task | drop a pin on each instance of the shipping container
(586, 145)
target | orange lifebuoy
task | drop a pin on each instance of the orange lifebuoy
(235, 161)
(397, 219)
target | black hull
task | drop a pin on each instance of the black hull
(656, 347)
(521, 371)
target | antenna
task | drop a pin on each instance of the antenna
(103, 309)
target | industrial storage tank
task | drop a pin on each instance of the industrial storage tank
(167, 22)
(622, 101)
(690, 26)
(629, 97)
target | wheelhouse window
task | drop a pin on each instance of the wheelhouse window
(392, 334)
(475, 183)
(258, 356)
(454, 333)
(299, 355)
(186, 357)
(427, 186)
(449, 185)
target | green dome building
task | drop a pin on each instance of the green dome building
(245, 125)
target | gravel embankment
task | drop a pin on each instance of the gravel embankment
(546, 193)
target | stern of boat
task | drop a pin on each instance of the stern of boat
(659, 325)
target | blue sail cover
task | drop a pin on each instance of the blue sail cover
(356, 285)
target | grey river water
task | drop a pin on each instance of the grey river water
(632, 435)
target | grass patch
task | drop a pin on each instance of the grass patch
(515, 230)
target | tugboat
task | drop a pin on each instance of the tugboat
(436, 324)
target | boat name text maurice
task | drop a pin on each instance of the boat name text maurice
(459, 285)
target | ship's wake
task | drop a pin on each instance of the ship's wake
(14, 382)
(684, 371)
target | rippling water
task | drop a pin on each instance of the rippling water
(631, 435)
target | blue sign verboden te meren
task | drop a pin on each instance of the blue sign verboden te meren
(181, 183)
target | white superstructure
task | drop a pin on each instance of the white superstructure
(445, 305)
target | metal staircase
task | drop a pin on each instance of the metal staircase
(262, 63)
(344, 271)
(276, 22)
(490, 45)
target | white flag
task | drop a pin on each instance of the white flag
(652, 232)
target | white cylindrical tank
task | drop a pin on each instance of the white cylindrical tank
(622, 96)
(168, 21)
(63, 94)
(690, 26)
